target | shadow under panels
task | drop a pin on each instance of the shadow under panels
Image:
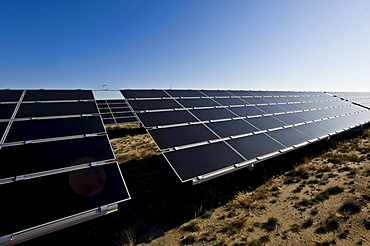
(202, 143)
(56, 161)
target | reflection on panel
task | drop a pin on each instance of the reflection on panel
(41, 157)
(57, 196)
(53, 128)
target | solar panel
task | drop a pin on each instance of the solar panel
(194, 128)
(115, 112)
(54, 149)
(41, 157)
(6, 111)
(34, 202)
(10, 95)
(55, 109)
(58, 95)
(52, 128)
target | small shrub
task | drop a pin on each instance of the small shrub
(255, 242)
(275, 188)
(264, 239)
(191, 226)
(295, 228)
(221, 243)
(272, 223)
(314, 211)
(353, 207)
(344, 234)
(306, 202)
(335, 190)
(333, 223)
(308, 222)
(207, 214)
(189, 239)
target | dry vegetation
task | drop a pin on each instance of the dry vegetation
(322, 201)
(317, 195)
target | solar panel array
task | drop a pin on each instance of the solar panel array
(206, 133)
(115, 112)
(360, 98)
(58, 167)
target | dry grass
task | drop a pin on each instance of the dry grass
(135, 147)
(323, 201)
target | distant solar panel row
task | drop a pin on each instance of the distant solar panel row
(57, 162)
(115, 112)
(361, 98)
(204, 133)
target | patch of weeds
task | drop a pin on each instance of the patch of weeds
(343, 234)
(236, 225)
(351, 206)
(308, 222)
(276, 194)
(191, 226)
(189, 239)
(313, 181)
(255, 242)
(220, 243)
(306, 202)
(344, 169)
(275, 188)
(295, 228)
(264, 239)
(222, 217)
(207, 214)
(224, 229)
(335, 190)
(333, 224)
(299, 188)
(232, 213)
(314, 211)
(272, 223)
(149, 239)
(240, 244)
(321, 229)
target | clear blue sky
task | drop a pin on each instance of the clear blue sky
(211, 44)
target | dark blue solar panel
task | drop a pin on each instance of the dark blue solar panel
(288, 136)
(165, 118)
(266, 122)
(192, 162)
(56, 109)
(212, 114)
(10, 95)
(184, 93)
(144, 93)
(200, 102)
(246, 111)
(255, 145)
(7, 110)
(58, 196)
(40, 129)
(183, 135)
(155, 104)
(53, 95)
(231, 128)
(40, 157)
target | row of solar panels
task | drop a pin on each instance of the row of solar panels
(206, 133)
(58, 167)
(56, 138)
